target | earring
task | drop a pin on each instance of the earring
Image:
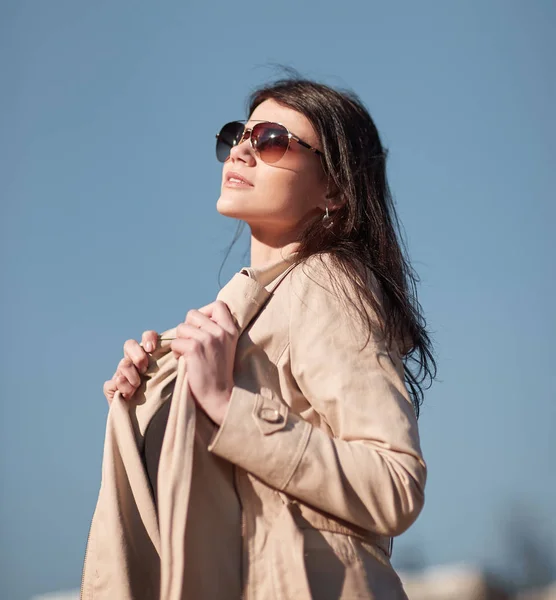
(327, 220)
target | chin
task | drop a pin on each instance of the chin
(230, 207)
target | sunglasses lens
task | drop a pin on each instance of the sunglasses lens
(228, 137)
(270, 140)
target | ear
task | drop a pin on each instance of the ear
(332, 198)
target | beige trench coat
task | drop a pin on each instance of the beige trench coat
(296, 495)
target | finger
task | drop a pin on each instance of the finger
(220, 313)
(186, 347)
(199, 320)
(149, 340)
(125, 387)
(129, 371)
(137, 355)
(186, 331)
(207, 309)
(109, 389)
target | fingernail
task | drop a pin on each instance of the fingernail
(149, 346)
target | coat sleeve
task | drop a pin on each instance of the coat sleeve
(370, 471)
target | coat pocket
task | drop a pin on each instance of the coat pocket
(341, 566)
(333, 568)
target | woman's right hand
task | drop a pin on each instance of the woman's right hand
(127, 378)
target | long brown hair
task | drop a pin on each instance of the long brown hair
(365, 233)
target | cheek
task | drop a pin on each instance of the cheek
(280, 194)
(307, 190)
(288, 193)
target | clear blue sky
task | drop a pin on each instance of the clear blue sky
(108, 186)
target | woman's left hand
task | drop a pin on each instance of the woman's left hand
(208, 340)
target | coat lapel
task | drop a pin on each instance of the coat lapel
(244, 297)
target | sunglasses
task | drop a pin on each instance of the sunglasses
(271, 141)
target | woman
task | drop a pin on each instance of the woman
(274, 427)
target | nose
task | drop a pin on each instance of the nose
(244, 152)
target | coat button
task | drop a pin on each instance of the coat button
(271, 415)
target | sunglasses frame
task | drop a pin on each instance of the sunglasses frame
(249, 131)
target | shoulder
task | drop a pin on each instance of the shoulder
(321, 284)
(327, 270)
(319, 272)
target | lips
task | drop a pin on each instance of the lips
(234, 179)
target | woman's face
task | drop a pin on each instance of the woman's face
(284, 195)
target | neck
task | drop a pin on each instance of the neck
(268, 249)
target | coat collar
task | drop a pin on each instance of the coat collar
(249, 289)
(268, 273)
